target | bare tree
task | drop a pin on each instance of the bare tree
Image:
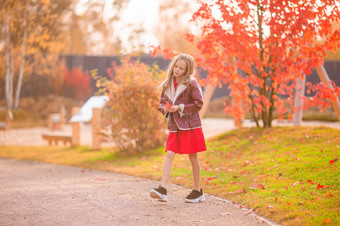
(9, 71)
(30, 23)
(22, 59)
(92, 31)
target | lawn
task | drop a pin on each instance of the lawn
(287, 174)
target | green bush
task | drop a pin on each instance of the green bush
(132, 110)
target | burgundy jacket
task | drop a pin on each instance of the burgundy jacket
(190, 101)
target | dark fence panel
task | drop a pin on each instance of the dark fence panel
(103, 62)
(333, 71)
(88, 63)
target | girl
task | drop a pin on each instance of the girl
(181, 99)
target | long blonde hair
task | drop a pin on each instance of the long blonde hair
(188, 74)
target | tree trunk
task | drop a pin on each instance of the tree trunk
(298, 102)
(11, 81)
(22, 60)
(208, 92)
(9, 73)
(252, 109)
(235, 101)
(325, 79)
(262, 90)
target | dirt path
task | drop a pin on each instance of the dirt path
(46, 194)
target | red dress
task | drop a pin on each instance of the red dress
(185, 141)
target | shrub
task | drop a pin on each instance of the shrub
(76, 83)
(134, 122)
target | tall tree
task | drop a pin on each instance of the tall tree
(22, 58)
(91, 30)
(273, 42)
(29, 27)
(173, 24)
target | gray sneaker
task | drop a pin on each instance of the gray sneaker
(159, 193)
(195, 196)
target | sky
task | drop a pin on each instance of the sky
(142, 13)
(138, 14)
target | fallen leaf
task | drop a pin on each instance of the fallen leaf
(210, 178)
(311, 182)
(333, 160)
(326, 221)
(260, 186)
(329, 195)
(320, 187)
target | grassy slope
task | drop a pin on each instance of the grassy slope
(285, 174)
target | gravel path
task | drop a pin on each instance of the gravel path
(34, 193)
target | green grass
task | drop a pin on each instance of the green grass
(314, 115)
(23, 119)
(285, 174)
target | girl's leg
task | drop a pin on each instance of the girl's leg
(169, 157)
(195, 170)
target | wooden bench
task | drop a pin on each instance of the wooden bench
(55, 138)
(57, 120)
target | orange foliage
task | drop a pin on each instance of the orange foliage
(136, 125)
(261, 48)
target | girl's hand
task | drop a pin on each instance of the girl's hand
(174, 108)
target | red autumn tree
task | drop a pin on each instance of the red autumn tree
(76, 83)
(262, 47)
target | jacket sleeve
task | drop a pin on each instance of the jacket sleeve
(162, 103)
(196, 102)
